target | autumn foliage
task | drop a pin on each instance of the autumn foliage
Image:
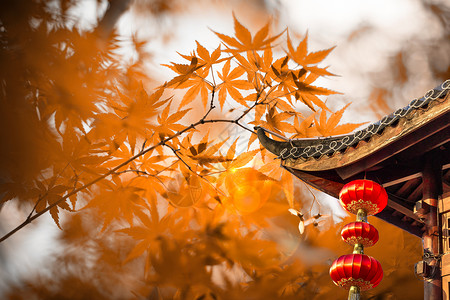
(156, 195)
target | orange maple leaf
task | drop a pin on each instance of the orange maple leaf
(275, 121)
(168, 122)
(206, 59)
(305, 128)
(149, 232)
(118, 202)
(244, 40)
(300, 55)
(49, 194)
(230, 84)
(330, 126)
(204, 153)
(232, 163)
(198, 84)
(185, 71)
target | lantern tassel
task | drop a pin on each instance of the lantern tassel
(353, 293)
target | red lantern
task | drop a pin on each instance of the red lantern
(358, 270)
(360, 233)
(363, 194)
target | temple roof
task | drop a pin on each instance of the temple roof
(323, 153)
(394, 152)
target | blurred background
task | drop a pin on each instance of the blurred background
(388, 53)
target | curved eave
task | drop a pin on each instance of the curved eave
(272, 145)
(413, 126)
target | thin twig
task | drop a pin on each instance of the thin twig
(211, 105)
(314, 200)
(175, 151)
(144, 173)
(228, 121)
(213, 78)
(36, 204)
(138, 172)
(48, 188)
(143, 145)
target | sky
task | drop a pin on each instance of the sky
(366, 33)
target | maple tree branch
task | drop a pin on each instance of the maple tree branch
(114, 170)
(143, 145)
(36, 204)
(232, 121)
(212, 84)
(258, 96)
(141, 173)
(41, 197)
(243, 127)
(175, 151)
(76, 177)
(110, 172)
(143, 151)
(211, 105)
(166, 168)
(138, 172)
(212, 74)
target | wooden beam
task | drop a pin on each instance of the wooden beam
(392, 171)
(416, 194)
(408, 187)
(432, 188)
(395, 204)
(402, 179)
(388, 216)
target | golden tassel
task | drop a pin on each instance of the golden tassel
(354, 293)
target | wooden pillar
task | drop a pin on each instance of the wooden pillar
(432, 188)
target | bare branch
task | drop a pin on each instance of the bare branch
(175, 151)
